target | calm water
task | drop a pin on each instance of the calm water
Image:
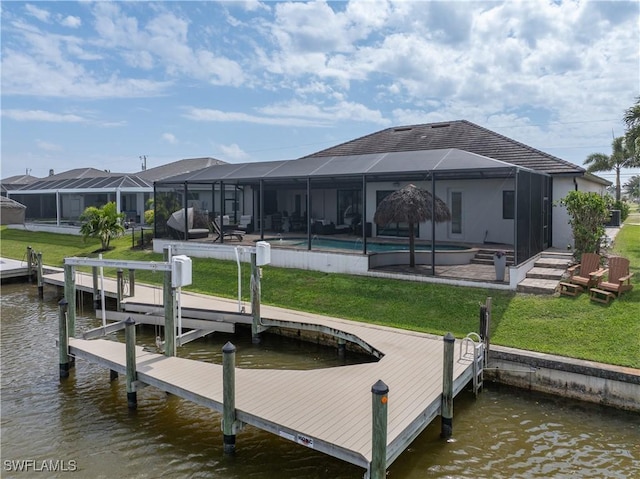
(506, 433)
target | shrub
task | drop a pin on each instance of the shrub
(588, 212)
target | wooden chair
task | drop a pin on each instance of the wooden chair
(584, 275)
(224, 233)
(618, 278)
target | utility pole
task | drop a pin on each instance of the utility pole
(143, 160)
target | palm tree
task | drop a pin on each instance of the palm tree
(632, 119)
(104, 223)
(621, 157)
(410, 205)
(632, 187)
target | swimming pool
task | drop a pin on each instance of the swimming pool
(356, 245)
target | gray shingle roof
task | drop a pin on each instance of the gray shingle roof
(460, 134)
(179, 167)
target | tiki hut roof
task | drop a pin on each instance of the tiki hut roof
(410, 205)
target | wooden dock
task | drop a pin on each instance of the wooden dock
(326, 409)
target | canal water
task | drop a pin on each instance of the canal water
(82, 426)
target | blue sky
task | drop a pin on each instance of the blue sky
(100, 84)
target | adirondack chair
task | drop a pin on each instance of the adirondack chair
(584, 275)
(618, 276)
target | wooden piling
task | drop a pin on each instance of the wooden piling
(39, 275)
(446, 410)
(379, 395)
(63, 339)
(96, 288)
(70, 296)
(255, 300)
(169, 309)
(132, 282)
(30, 263)
(229, 397)
(342, 348)
(132, 376)
(120, 289)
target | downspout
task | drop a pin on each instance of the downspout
(155, 213)
(575, 184)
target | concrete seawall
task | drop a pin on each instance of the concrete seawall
(605, 384)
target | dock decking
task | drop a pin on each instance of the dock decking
(326, 409)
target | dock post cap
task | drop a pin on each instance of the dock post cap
(228, 348)
(380, 388)
(63, 302)
(450, 338)
(129, 321)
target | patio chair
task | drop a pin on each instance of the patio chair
(618, 280)
(582, 276)
(225, 233)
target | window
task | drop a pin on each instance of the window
(456, 212)
(349, 205)
(508, 204)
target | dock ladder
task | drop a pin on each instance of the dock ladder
(472, 348)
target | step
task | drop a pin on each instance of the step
(537, 286)
(477, 260)
(554, 274)
(556, 263)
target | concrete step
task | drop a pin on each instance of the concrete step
(537, 286)
(476, 260)
(554, 274)
(555, 263)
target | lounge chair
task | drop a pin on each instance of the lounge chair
(225, 233)
(618, 280)
(583, 276)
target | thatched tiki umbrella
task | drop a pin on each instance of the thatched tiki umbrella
(411, 205)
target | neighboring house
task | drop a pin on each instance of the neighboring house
(63, 197)
(499, 191)
(15, 182)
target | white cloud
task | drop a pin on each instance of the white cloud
(71, 21)
(204, 114)
(46, 146)
(40, 115)
(170, 138)
(39, 13)
(233, 152)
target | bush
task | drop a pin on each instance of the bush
(624, 208)
(589, 212)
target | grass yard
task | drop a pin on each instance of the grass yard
(574, 327)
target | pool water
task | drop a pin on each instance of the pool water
(343, 244)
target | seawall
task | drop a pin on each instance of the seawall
(604, 384)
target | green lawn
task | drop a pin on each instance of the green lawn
(566, 326)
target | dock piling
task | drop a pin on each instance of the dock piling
(169, 296)
(342, 348)
(132, 376)
(70, 296)
(255, 300)
(63, 338)
(30, 263)
(120, 291)
(379, 394)
(229, 397)
(96, 291)
(39, 275)
(132, 282)
(446, 414)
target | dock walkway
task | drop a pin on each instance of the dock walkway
(326, 409)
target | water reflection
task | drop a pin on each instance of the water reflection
(506, 433)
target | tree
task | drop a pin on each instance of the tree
(621, 157)
(632, 187)
(588, 212)
(632, 120)
(104, 223)
(410, 205)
